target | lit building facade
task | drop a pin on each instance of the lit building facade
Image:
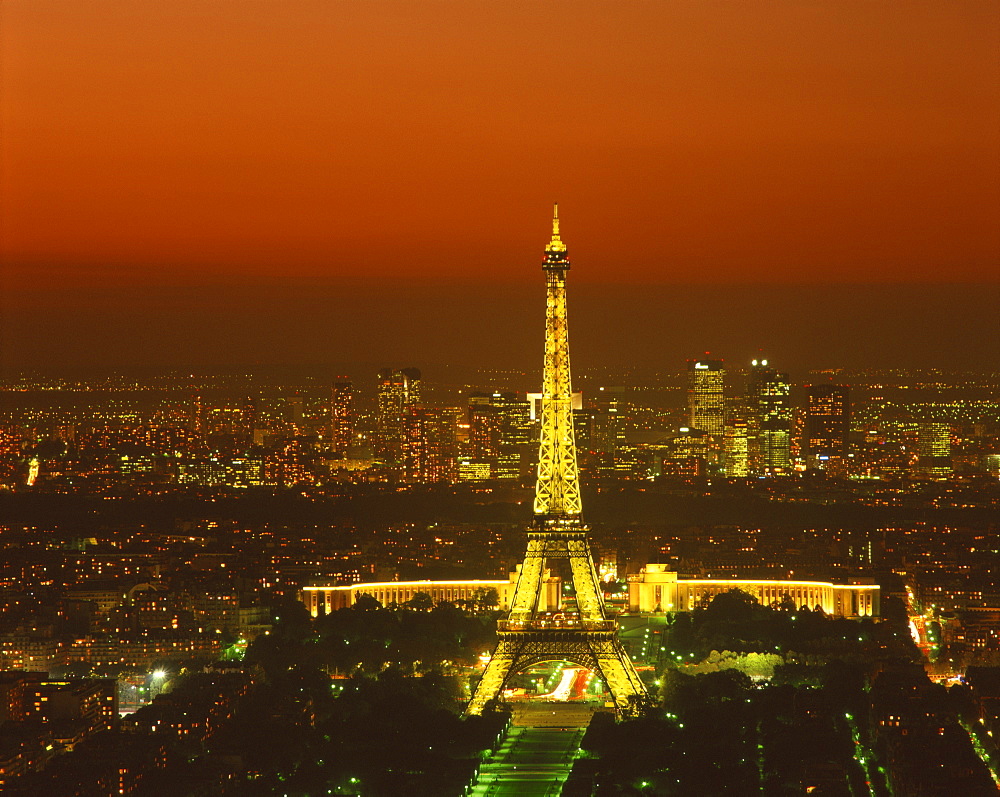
(516, 453)
(341, 417)
(429, 444)
(827, 425)
(473, 471)
(706, 399)
(657, 589)
(934, 447)
(736, 451)
(325, 599)
(500, 433)
(396, 392)
(485, 429)
(770, 418)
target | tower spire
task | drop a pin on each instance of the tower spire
(556, 244)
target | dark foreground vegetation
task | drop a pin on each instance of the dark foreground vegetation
(850, 712)
(367, 701)
(316, 708)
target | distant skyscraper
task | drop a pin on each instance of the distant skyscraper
(485, 431)
(827, 424)
(429, 446)
(516, 454)
(736, 459)
(198, 416)
(397, 391)
(934, 445)
(295, 411)
(608, 434)
(706, 401)
(500, 432)
(250, 420)
(341, 417)
(770, 420)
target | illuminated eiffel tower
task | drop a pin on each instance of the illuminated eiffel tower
(585, 637)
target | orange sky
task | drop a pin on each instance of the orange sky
(700, 141)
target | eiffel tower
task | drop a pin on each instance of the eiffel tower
(586, 637)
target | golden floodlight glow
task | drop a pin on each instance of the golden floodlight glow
(557, 490)
(405, 584)
(583, 635)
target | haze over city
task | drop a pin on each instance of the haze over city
(206, 184)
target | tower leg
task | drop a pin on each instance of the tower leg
(588, 597)
(627, 690)
(529, 582)
(491, 684)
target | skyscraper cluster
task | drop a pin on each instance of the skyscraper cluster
(398, 391)
(752, 433)
(500, 435)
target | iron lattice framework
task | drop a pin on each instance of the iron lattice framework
(529, 636)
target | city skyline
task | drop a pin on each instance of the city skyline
(279, 548)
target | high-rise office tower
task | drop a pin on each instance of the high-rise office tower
(397, 391)
(430, 451)
(585, 428)
(934, 449)
(706, 400)
(198, 416)
(735, 459)
(485, 429)
(295, 412)
(341, 417)
(827, 424)
(769, 414)
(500, 428)
(250, 419)
(583, 634)
(515, 455)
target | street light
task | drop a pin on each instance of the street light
(156, 679)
